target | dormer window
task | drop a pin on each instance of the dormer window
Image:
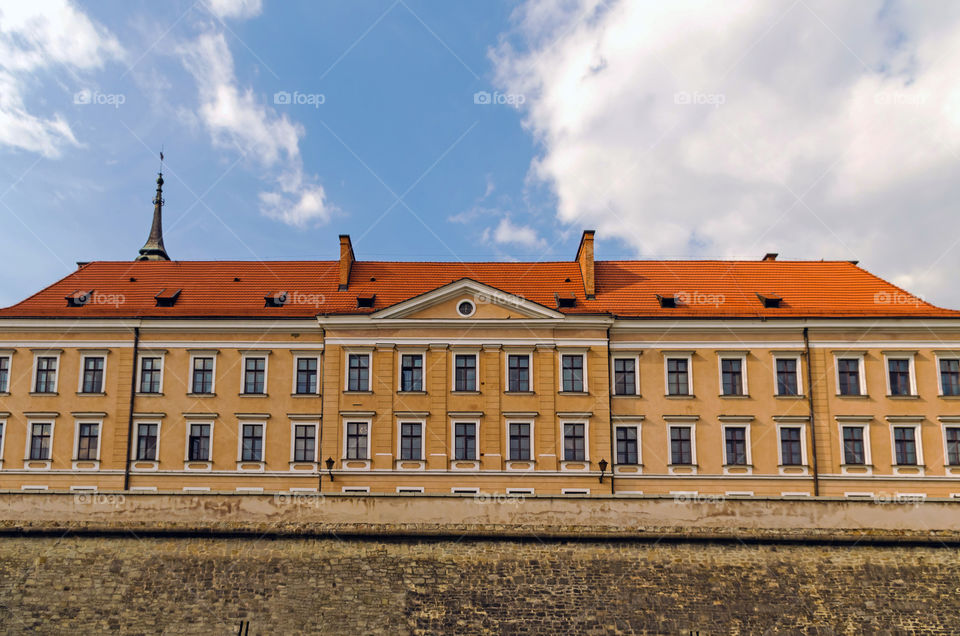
(565, 299)
(79, 298)
(667, 302)
(365, 301)
(277, 299)
(769, 300)
(167, 297)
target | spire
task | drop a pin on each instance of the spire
(153, 249)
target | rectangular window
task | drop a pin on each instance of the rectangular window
(411, 439)
(518, 373)
(92, 375)
(46, 374)
(88, 440)
(519, 442)
(853, 448)
(848, 376)
(624, 376)
(953, 446)
(251, 449)
(411, 372)
(465, 440)
(905, 445)
(678, 382)
(949, 377)
(731, 371)
(306, 376)
(40, 441)
(681, 445)
(572, 373)
(791, 452)
(199, 443)
(899, 369)
(4, 374)
(3, 426)
(150, 375)
(627, 445)
(357, 440)
(254, 376)
(304, 442)
(358, 372)
(465, 369)
(574, 442)
(147, 442)
(787, 376)
(735, 438)
(202, 375)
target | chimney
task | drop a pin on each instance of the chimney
(346, 261)
(585, 259)
(770, 256)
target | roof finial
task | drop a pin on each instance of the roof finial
(153, 249)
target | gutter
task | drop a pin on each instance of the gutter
(813, 428)
(133, 397)
(613, 447)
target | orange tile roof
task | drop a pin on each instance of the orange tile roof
(704, 289)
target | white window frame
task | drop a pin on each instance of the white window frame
(52, 421)
(296, 361)
(506, 370)
(533, 443)
(636, 374)
(938, 356)
(241, 422)
(189, 422)
(586, 373)
(136, 439)
(422, 354)
(316, 440)
(633, 425)
(744, 424)
(346, 369)
(56, 375)
(863, 423)
(678, 355)
(453, 438)
(804, 461)
(76, 439)
(911, 370)
(564, 462)
(917, 440)
(946, 422)
(357, 420)
(7, 354)
(423, 438)
(83, 363)
(194, 355)
(859, 355)
(788, 356)
(733, 355)
(453, 369)
(692, 425)
(3, 438)
(248, 355)
(163, 367)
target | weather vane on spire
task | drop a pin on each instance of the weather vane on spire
(153, 250)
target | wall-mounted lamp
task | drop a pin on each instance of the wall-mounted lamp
(603, 468)
(329, 464)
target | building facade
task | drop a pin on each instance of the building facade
(751, 378)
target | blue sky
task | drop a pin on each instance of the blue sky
(809, 129)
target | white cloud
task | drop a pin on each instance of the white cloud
(506, 233)
(236, 120)
(43, 36)
(691, 128)
(240, 9)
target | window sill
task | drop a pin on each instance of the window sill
(201, 395)
(680, 396)
(627, 395)
(465, 392)
(738, 466)
(7, 394)
(85, 394)
(847, 466)
(903, 397)
(519, 393)
(141, 394)
(254, 395)
(358, 392)
(945, 397)
(791, 396)
(43, 394)
(305, 395)
(792, 466)
(909, 465)
(411, 392)
(735, 396)
(574, 393)
(852, 397)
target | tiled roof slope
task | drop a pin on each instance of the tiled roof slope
(236, 289)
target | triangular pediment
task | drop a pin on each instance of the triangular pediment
(483, 301)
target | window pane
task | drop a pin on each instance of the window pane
(518, 372)
(46, 381)
(4, 375)
(627, 445)
(466, 373)
(150, 375)
(681, 451)
(252, 448)
(520, 442)
(411, 373)
(40, 441)
(306, 376)
(899, 376)
(356, 440)
(410, 441)
(88, 441)
(465, 441)
(254, 375)
(853, 448)
(574, 442)
(203, 375)
(732, 375)
(624, 376)
(147, 442)
(786, 376)
(736, 445)
(790, 448)
(358, 373)
(677, 377)
(199, 442)
(92, 375)
(304, 443)
(905, 445)
(953, 446)
(848, 374)
(572, 373)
